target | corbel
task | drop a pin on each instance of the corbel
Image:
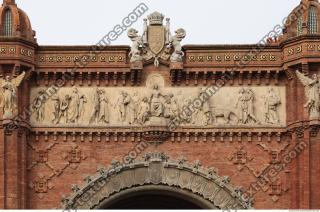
(249, 77)
(99, 137)
(213, 137)
(115, 78)
(268, 77)
(74, 136)
(196, 78)
(259, 77)
(106, 79)
(187, 78)
(46, 78)
(80, 78)
(89, 78)
(123, 78)
(205, 78)
(72, 78)
(107, 137)
(240, 77)
(98, 78)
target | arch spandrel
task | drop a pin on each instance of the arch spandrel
(155, 170)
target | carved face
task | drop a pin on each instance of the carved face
(181, 33)
(155, 87)
(124, 94)
(8, 78)
(315, 77)
(132, 33)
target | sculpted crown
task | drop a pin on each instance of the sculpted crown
(156, 18)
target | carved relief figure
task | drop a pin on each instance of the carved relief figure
(64, 106)
(312, 92)
(245, 106)
(272, 102)
(38, 105)
(171, 107)
(9, 87)
(95, 107)
(143, 111)
(136, 47)
(122, 106)
(186, 114)
(56, 107)
(83, 101)
(133, 107)
(156, 104)
(74, 106)
(157, 107)
(205, 108)
(103, 107)
(251, 105)
(175, 41)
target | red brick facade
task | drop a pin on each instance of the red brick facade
(39, 164)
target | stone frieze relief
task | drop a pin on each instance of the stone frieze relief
(157, 105)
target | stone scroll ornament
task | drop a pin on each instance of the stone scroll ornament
(9, 94)
(156, 42)
(312, 92)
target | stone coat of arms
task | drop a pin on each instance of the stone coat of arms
(156, 41)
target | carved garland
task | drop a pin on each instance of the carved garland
(157, 169)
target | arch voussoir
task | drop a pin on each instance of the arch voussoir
(157, 169)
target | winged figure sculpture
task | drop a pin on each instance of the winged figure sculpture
(312, 91)
(9, 93)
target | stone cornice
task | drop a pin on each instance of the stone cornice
(17, 39)
(82, 48)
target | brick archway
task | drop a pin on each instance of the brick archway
(203, 187)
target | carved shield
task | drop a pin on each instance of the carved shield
(156, 38)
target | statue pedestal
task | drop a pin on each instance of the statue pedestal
(156, 121)
(176, 66)
(138, 65)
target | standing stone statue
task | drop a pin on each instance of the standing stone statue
(272, 102)
(74, 106)
(136, 47)
(143, 111)
(245, 106)
(133, 107)
(251, 115)
(95, 107)
(64, 106)
(9, 87)
(122, 106)
(156, 104)
(103, 107)
(206, 109)
(186, 115)
(56, 107)
(38, 105)
(171, 107)
(175, 41)
(312, 92)
(83, 101)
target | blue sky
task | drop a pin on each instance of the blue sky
(85, 22)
